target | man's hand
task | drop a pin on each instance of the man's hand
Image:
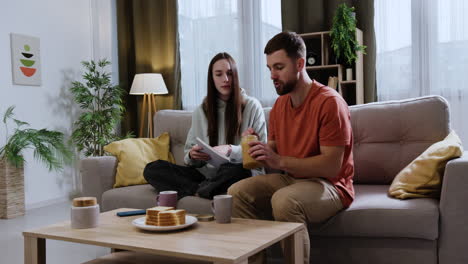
(196, 154)
(265, 154)
(223, 150)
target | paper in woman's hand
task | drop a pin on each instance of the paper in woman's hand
(216, 158)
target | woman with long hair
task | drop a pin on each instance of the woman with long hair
(225, 113)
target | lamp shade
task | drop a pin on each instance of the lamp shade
(148, 83)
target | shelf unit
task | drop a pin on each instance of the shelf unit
(319, 44)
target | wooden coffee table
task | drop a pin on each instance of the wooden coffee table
(208, 241)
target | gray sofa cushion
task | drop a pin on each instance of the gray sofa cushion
(177, 123)
(389, 135)
(144, 196)
(195, 205)
(374, 214)
(135, 196)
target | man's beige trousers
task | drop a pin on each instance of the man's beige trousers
(284, 198)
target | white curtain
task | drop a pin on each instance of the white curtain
(422, 49)
(239, 27)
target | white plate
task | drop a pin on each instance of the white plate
(140, 223)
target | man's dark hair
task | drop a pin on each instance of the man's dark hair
(291, 42)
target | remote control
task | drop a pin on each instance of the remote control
(130, 213)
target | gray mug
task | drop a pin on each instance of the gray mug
(222, 208)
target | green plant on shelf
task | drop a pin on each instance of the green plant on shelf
(343, 36)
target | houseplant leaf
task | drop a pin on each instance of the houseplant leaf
(102, 107)
(49, 146)
(343, 36)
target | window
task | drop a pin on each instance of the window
(422, 49)
(239, 27)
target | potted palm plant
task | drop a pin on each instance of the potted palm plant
(102, 107)
(49, 148)
(343, 36)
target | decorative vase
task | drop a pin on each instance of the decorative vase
(349, 74)
(11, 190)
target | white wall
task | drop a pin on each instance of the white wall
(70, 31)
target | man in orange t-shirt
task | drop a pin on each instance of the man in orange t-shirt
(309, 139)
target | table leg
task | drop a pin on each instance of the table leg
(34, 250)
(294, 249)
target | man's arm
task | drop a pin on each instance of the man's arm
(325, 165)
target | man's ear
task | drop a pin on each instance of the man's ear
(300, 64)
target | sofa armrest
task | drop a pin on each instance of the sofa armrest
(97, 175)
(453, 231)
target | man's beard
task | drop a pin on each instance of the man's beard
(286, 88)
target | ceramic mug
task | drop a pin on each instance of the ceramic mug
(167, 198)
(85, 217)
(222, 208)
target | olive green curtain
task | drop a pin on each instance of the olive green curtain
(303, 16)
(148, 43)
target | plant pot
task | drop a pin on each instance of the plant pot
(11, 191)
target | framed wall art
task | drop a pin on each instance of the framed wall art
(25, 60)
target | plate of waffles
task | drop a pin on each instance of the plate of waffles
(141, 223)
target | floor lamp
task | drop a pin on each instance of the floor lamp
(148, 85)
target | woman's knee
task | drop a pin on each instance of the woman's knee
(153, 168)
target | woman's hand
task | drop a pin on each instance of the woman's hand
(196, 154)
(249, 131)
(223, 150)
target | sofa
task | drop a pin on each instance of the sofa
(375, 228)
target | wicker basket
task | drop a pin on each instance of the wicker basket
(11, 191)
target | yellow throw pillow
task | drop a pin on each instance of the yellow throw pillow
(133, 155)
(422, 177)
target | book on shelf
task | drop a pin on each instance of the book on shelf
(333, 83)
